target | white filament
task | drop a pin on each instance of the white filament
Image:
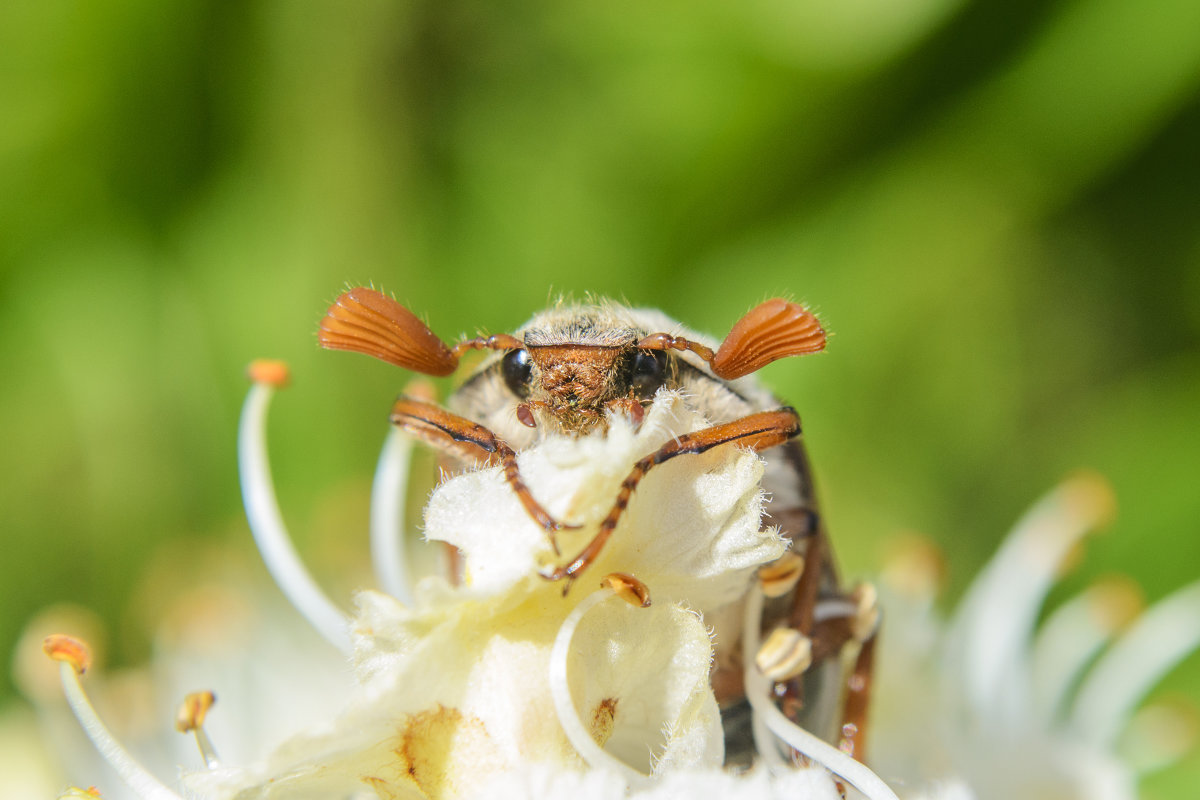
(387, 516)
(136, 776)
(764, 741)
(992, 629)
(1160, 639)
(207, 751)
(1065, 645)
(266, 523)
(568, 716)
(766, 714)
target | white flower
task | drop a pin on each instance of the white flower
(1004, 707)
(479, 680)
(504, 686)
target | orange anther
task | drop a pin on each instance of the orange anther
(269, 371)
(628, 588)
(61, 647)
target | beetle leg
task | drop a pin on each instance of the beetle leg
(858, 698)
(802, 524)
(473, 442)
(756, 431)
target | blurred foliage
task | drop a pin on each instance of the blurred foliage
(992, 205)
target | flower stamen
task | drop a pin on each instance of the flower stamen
(768, 716)
(266, 521)
(995, 622)
(190, 717)
(786, 654)
(1072, 635)
(781, 575)
(1161, 638)
(628, 588)
(568, 716)
(1160, 734)
(387, 516)
(73, 658)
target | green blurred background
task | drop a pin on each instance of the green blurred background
(995, 207)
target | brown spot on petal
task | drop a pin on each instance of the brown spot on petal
(603, 719)
(432, 746)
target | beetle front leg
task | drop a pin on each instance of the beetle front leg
(756, 431)
(472, 442)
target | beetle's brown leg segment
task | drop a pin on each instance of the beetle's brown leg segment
(801, 616)
(858, 699)
(450, 432)
(756, 431)
(809, 586)
(512, 474)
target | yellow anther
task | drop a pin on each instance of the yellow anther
(915, 567)
(270, 372)
(1089, 497)
(1116, 601)
(193, 710)
(61, 647)
(628, 588)
(785, 654)
(780, 576)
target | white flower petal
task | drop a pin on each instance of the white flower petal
(639, 680)
(692, 523)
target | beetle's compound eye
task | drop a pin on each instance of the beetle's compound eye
(648, 372)
(517, 368)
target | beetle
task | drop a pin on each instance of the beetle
(573, 365)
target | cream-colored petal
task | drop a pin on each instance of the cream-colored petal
(691, 527)
(639, 680)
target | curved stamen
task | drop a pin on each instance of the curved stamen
(568, 716)
(1159, 640)
(71, 655)
(1071, 637)
(387, 516)
(767, 714)
(190, 717)
(995, 622)
(266, 521)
